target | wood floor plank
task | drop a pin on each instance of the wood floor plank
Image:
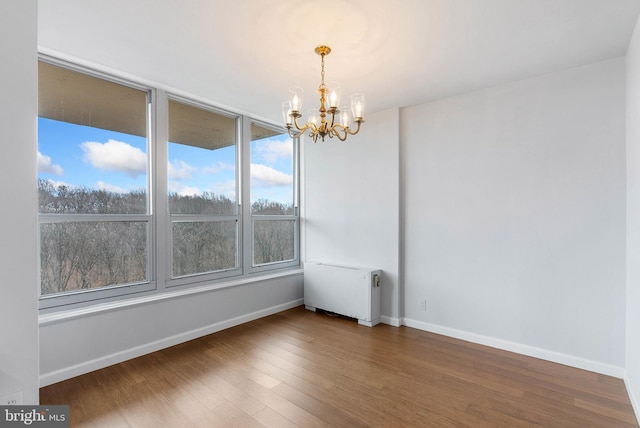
(289, 409)
(272, 419)
(198, 413)
(303, 369)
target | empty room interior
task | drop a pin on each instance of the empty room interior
(202, 228)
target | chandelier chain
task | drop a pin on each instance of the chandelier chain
(322, 72)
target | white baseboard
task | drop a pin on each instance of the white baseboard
(531, 351)
(118, 357)
(632, 396)
(395, 322)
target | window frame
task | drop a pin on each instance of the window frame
(158, 218)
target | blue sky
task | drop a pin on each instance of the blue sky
(78, 155)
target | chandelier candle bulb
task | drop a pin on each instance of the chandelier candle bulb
(313, 117)
(286, 112)
(323, 122)
(344, 117)
(357, 105)
(333, 89)
(296, 98)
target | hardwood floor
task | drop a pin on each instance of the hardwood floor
(302, 369)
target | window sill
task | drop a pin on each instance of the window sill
(68, 314)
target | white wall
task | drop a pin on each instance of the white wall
(514, 216)
(351, 194)
(85, 340)
(633, 220)
(18, 250)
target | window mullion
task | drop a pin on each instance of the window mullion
(161, 213)
(177, 218)
(80, 218)
(247, 228)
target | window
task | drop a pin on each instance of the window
(202, 189)
(274, 222)
(93, 184)
(140, 190)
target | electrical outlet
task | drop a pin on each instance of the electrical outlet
(14, 399)
(423, 304)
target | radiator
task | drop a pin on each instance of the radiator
(350, 291)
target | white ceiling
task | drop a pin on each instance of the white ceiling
(244, 54)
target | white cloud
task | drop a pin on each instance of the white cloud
(272, 150)
(225, 188)
(180, 170)
(115, 156)
(46, 165)
(183, 190)
(110, 187)
(267, 176)
(218, 167)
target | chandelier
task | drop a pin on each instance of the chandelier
(331, 119)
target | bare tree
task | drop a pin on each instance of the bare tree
(77, 255)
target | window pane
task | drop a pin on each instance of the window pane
(273, 241)
(92, 144)
(271, 172)
(204, 246)
(202, 161)
(87, 255)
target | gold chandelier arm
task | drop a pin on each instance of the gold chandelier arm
(332, 111)
(295, 116)
(312, 127)
(294, 135)
(357, 129)
(339, 131)
(314, 137)
(308, 125)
